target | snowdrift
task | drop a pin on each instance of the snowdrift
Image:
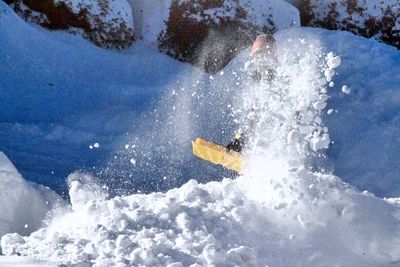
(24, 205)
(219, 224)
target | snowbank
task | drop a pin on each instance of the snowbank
(23, 205)
(369, 18)
(106, 23)
(23, 262)
(221, 224)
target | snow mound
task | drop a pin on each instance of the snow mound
(23, 262)
(220, 224)
(24, 205)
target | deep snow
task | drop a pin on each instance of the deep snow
(24, 205)
(278, 213)
(56, 106)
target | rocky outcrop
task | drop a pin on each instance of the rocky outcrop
(106, 23)
(368, 18)
(209, 33)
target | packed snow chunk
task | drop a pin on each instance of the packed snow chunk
(329, 74)
(23, 205)
(319, 141)
(319, 105)
(346, 89)
(332, 61)
(84, 188)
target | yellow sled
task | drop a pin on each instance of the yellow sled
(217, 154)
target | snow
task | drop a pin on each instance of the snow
(23, 262)
(369, 8)
(221, 223)
(117, 11)
(346, 89)
(150, 18)
(284, 210)
(24, 205)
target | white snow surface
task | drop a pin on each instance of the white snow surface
(150, 18)
(13, 261)
(288, 217)
(278, 212)
(23, 205)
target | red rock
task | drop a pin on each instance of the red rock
(371, 19)
(97, 22)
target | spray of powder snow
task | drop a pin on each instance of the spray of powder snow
(287, 111)
(278, 213)
(289, 137)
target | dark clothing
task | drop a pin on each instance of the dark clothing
(236, 145)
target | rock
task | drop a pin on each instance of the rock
(106, 23)
(210, 33)
(371, 19)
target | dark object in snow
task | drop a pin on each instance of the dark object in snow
(237, 143)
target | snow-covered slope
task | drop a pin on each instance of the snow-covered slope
(327, 224)
(23, 205)
(278, 213)
(54, 107)
(68, 95)
(137, 112)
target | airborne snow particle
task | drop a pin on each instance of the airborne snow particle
(332, 61)
(346, 89)
(133, 161)
(96, 145)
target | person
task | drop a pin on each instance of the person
(237, 143)
(263, 57)
(264, 62)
